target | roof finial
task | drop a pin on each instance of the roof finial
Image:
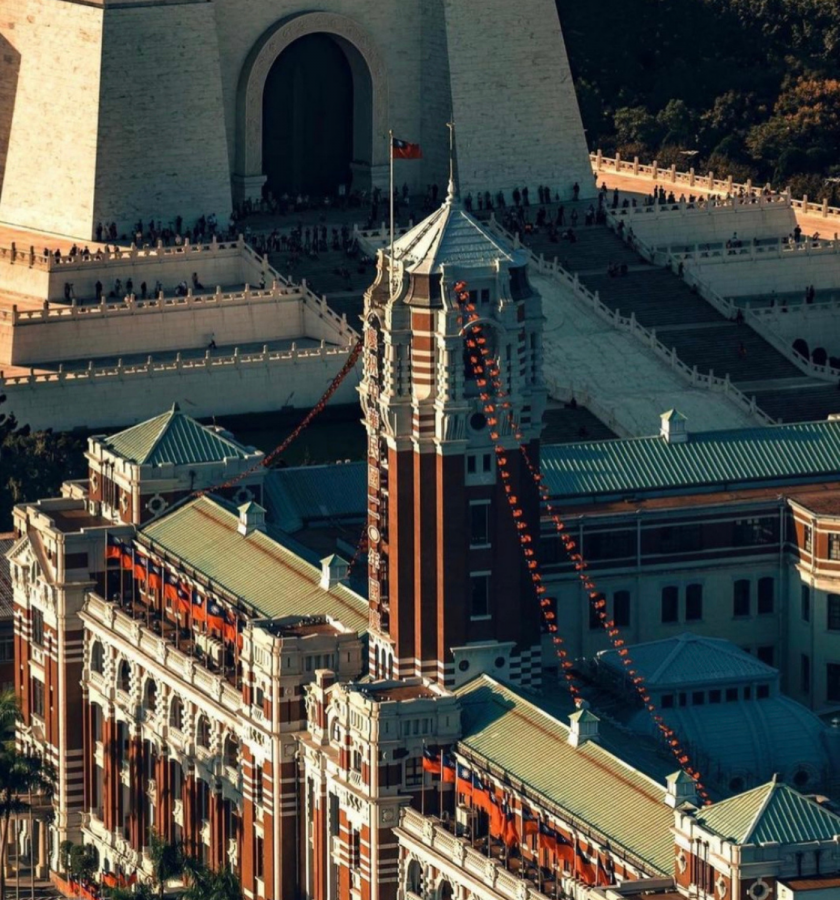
(452, 194)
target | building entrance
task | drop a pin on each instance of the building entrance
(310, 111)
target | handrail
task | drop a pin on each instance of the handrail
(644, 335)
(691, 179)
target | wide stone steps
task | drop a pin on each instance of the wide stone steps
(596, 247)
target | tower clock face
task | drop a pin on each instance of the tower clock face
(373, 534)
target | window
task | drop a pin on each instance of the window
(833, 603)
(832, 683)
(667, 701)
(150, 696)
(809, 539)
(480, 595)
(714, 696)
(603, 545)
(805, 673)
(355, 849)
(806, 603)
(748, 693)
(762, 692)
(479, 524)
(97, 658)
(413, 772)
(694, 602)
(698, 698)
(766, 654)
(124, 682)
(471, 465)
(766, 595)
(487, 463)
(37, 697)
(7, 649)
(834, 546)
(485, 295)
(741, 597)
(732, 695)
(176, 715)
(202, 737)
(670, 604)
(258, 785)
(682, 697)
(621, 608)
(259, 857)
(231, 749)
(594, 618)
(37, 627)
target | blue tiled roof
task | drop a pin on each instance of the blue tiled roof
(738, 457)
(301, 496)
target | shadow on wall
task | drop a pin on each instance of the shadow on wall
(9, 71)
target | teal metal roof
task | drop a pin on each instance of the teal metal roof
(690, 659)
(773, 812)
(712, 458)
(176, 439)
(593, 785)
(300, 496)
(256, 568)
(451, 236)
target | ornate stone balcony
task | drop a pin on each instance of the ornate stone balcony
(464, 865)
(161, 647)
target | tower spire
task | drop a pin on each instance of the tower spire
(452, 193)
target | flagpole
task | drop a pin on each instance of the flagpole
(391, 199)
(423, 782)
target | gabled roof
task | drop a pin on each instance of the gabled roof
(690, 659)
(450, 235)
(589, 782)
(736, 457)
(173, 438)
(255, 567)
(773, 812)
(7, 541)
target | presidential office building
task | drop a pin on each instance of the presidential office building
(393, 727)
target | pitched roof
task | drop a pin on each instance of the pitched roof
(589, 782)
(450, 235)
(174, 438)
(305, 494)
(257, 568)
(773, 812)
(737, 457)
(691, 659)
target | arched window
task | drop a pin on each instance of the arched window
(202, 736)
(150, 696)
(124, 680)
(414, 877)
(176, 714)
(445, 891)
(97, 658)
(231, 752)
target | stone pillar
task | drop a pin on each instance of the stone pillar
(42, 866)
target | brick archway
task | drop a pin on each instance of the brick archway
(365, 60)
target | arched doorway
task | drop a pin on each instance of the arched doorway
(294, 90)
(308, 118)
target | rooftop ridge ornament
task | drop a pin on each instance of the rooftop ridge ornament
(452, 193)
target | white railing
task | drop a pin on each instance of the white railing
(459, 854)
(669, 175)
(705, 253)
(729, 309)
(208, 362)
(645, 336)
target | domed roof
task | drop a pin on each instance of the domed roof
(451, 236)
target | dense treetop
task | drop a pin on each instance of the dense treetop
(753, 85)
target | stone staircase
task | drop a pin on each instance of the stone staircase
(702, 337)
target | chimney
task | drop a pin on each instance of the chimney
(333, 571)
(673, 427)
(584, 727)
(680, 789)
(251, 518)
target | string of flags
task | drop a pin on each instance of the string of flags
(487, 375)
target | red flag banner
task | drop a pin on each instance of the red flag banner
(405, 150)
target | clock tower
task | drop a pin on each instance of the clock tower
(450, 594)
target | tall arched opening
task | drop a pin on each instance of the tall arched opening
(316, 117)
(312, 109)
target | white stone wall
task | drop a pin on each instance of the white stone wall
(818, 325)
(162, 145)
(514, 101)
(105, 399)
(48, 182)
(762, 274)
(663, 226)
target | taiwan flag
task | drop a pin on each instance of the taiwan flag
(463, 781)
(184, 598)
(199, 609)
(230, 627)
(140, 570)
(215, 616)
(530, 825)
(448, 769)
(155, 576)
(170, 588)
(114, 550)
(404, 150)
(431, 761)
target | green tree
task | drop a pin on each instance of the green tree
(21, 775)
(168, 860)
